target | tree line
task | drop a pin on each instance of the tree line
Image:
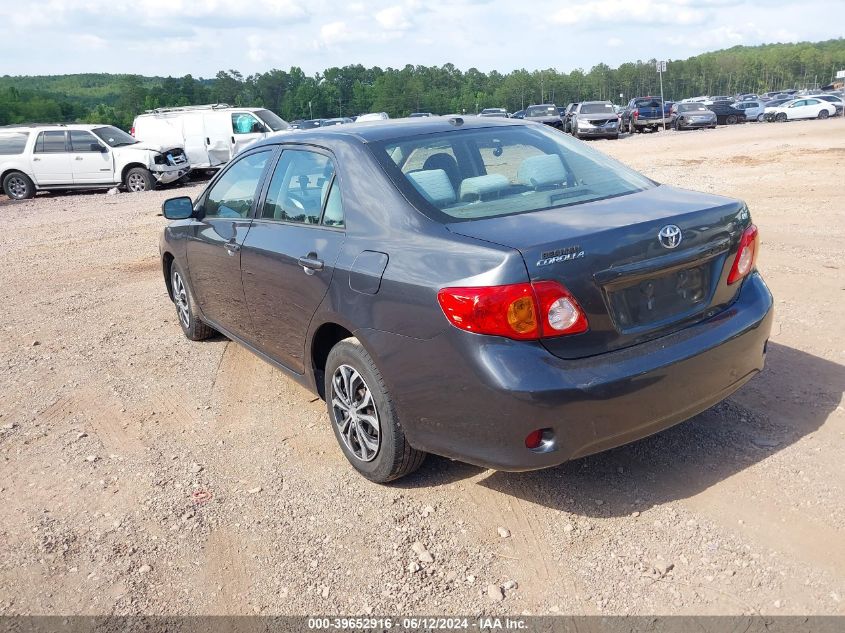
(355, 89)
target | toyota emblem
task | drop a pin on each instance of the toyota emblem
(670, 236)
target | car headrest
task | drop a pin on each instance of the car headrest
(434, 185)
(539, 171)
(476, 188)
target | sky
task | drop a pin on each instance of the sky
(200, 37)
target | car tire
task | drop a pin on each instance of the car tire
(613, 137)
(678, 126)
(380, 451)
(781, 117)
(761, 117)
(731, 119)
(18, 186)
(186, 308)
(823, 114)
(138, 179)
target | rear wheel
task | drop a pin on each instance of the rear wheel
(186, 309)
(18, 186)
(731, 120)
(823, 114)
(138, 179)
(761, 117)
(678, 125)
(363, 417)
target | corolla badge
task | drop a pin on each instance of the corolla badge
(670, 236)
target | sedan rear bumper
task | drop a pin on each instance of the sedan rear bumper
(476, 398)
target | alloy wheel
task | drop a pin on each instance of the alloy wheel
(136, 183)
(180, 297)
(355, 413)
(17, 187)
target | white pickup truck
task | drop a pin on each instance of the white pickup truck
(76, 156)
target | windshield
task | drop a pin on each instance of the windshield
(691, 107)
(113, 136)
(541, 111)
(272, 121)
(597, 108)
(466, 175)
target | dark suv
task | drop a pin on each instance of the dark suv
(485, 289)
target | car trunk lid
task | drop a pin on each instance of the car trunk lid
(608, 254)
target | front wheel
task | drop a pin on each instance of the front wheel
(761, 117)
(18, 186)
(186, 311)
(678, 126)
(731, 120)
(363, 417)
(823, 114)
(138, 179)
(781, 117)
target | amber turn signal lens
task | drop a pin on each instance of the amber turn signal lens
(521, 315)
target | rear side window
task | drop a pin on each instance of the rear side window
(50, 143)
(233, 195)
(13, 142)
(303, 185)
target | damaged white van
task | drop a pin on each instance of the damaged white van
(39, 157)
(211, 134)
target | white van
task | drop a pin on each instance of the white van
(211, 134)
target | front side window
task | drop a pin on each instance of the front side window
(300, 190)
(233, 194)
(503, 171)
(50, 143)
(81, 141)
(243, 123)
(12, 142)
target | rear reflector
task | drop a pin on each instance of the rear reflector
(517, 311)
(746, 254)
(534, 439)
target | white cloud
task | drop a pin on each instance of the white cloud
(620, 12)
(615, 42)
(394, 18)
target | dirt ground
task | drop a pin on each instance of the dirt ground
(143, 473)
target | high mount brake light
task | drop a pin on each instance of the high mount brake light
(746, 254)
(526, 311)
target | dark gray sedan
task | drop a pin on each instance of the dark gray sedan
(692, 115)
(485, 289)
(547, 114)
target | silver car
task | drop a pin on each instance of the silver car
(595, 119)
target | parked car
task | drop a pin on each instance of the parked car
(341, 120)
(692, 115)
(811, 108)
(210, 134)
(595, 119)
(372, 116)
(554, 304)
(306, 124)
(519, 114)
(568, 113)
(837, 101)
(74, 156)
(417, 115)
(714, 99)
(545, 113)
(643, 113)
(494, 112)
(754, 109)
(726, 113)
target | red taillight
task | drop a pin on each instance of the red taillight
(132, 131)
(517, 311)
(746, 254)
(635, 113)
(534, 439)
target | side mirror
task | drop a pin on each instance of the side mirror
(180, 208)
(97, 147)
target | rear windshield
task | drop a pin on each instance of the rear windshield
(647, 103)
(273, 121)
(597, 108)
(465, 175)
(12, 142)
(541, 111)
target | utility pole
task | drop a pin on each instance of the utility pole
(661, 68)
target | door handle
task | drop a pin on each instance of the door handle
(233, 140)
(78, 158)
(35, 160)
(232, 248)
(207, 141)
(310, 264)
